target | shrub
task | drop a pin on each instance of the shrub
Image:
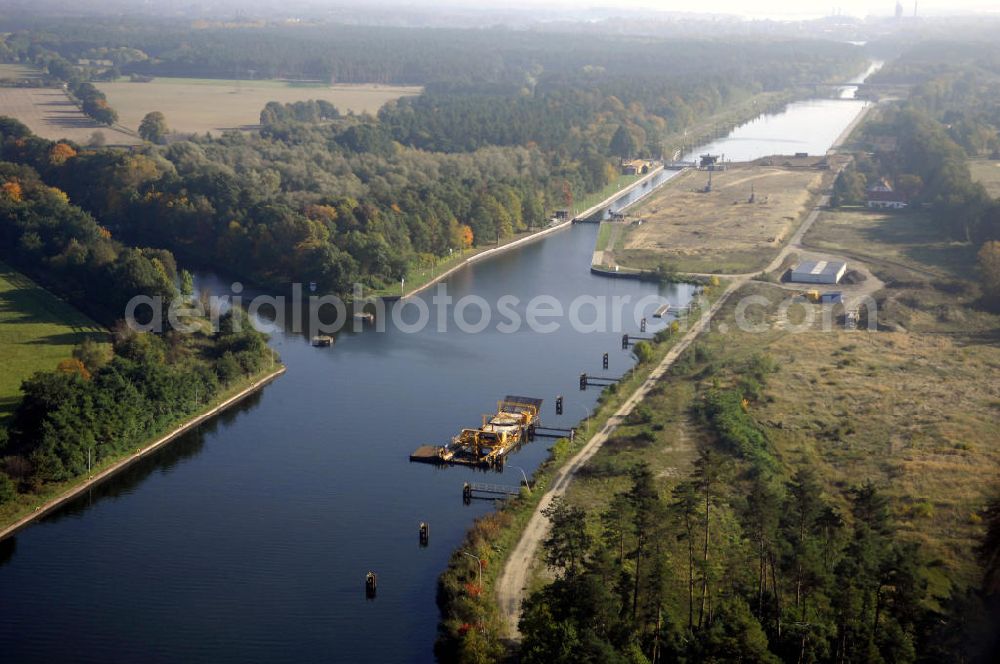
(8, 491)
(643, 352)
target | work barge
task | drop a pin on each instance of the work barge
(515, 422)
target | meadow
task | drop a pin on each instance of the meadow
(907, 240)
(200, 105)
(37, 331)
(49, 113)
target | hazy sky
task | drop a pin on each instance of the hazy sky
(762, 7)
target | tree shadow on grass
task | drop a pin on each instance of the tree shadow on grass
(30, 305)
(958, 259)
(22, 306)
(7, 406)
(66, 339)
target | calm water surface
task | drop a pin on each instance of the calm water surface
(248, 539)
(806, 126)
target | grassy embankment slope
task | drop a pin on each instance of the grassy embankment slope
(37, 331)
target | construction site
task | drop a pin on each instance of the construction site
(515, 422)
(731, 219)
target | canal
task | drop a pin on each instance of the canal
(248, 539)
(809, 126)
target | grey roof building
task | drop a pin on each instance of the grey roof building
(819, 272)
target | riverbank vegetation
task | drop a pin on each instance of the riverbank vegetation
(103, 401)
(471, 629)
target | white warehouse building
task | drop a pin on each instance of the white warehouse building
(819, 272)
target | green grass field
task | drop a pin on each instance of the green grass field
(609, 189)
(603, 236)
(37, 331)
(912, 240)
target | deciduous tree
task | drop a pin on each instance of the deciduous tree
(153, 127)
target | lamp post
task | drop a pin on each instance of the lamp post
(523, 474)
(478, 560)
(587, 425)
(482, 622)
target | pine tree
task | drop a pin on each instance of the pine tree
(645, 502)
(685, 509)
(708, 473)
(622, 144)
(568, 541)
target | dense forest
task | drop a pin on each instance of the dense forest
(264, 206)
(512, 126)
(386, 55)
(104, 402)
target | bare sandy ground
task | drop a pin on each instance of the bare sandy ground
(684, 221)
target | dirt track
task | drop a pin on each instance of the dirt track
(510, 586)
(513, 579)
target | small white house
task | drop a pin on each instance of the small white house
(819, 272)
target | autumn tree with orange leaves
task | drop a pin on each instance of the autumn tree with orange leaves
(12, 190)
(61, 153)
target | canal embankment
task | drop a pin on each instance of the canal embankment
(511, 584)
(74, 488)
(532, 237)
(846, 134)
(507, 538)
